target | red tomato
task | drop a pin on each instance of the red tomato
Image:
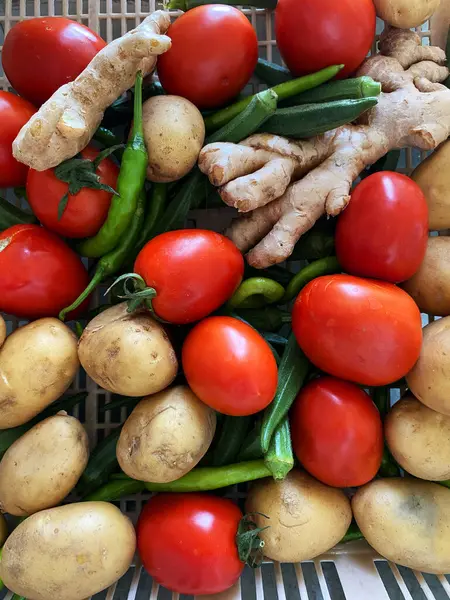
(337, 432)
(313, 34)
(39, 274)
(358, 329)
(187, 542)
(85, 212)
(213, 55)
(14, 113)
(229, 366)
(383, 232)
(40, 55)
(193, 271)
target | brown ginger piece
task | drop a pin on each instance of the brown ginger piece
(65, 124)
(262, 173)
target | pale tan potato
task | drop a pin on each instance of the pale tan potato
(43, 466)
(405, 14)
(3, 530)
(430, 286)
(419, 439)
(433, 177)
(165, 436)
(127, 353)
(429, 379)
(306, 517)
(174, 133)
(2, 330)
(68, 553)
(38, 362)
(407, 521)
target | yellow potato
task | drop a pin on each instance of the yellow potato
(306, 517)
(43, 466)
(68, 553)
(405, 14)
(127, 353)
(38, 362)
(407, 521)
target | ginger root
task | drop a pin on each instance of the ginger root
(65, 124)
(289, 184)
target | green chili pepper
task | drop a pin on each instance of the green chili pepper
(256, 292)
(102, 462)
(12, 215)
(277, 273)
(129, 187)
(353, 533)
(115, 490)
(279, 459)
(108, 139)
(154, 212)
(323, 266)
(232, 434)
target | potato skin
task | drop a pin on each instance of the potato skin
(174, 133)
(430, 286)
(69, 552)
(406, 13)
(307, 517)
(407, 521)
(2, 330)
(38, 362)
(165, 436)
(43, 466)
(127, 353)
(429, 379)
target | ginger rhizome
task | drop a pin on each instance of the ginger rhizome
(285, 185)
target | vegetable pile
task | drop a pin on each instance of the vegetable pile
(231, 369)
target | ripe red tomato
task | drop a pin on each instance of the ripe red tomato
(213, 55)
(193, 271)
(85, 212)
(40, 55)
(314, 34)
(337, 432)
(229, 366)
(39, 274)
(187, 542)
(14, 113)
(362, 330)
(383, 232)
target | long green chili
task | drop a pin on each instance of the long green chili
(323, 266)
(256, 292)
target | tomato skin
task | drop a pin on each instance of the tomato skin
(337, 433)
(314, 34)
(362, 330)
(383, 232)
(229, 366)
(213, 55)
(58, 47)
(14, 113)
(39, 274)
(85, 212)
(187, 542)
(193, 271)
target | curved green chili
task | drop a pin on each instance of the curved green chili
(323, 266)
(256, 292)
(129, 186)
(12, 215)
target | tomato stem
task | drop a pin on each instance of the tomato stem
(250, 545)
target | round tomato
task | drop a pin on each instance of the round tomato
(40, 55)
(229, 366)
(39, 274)
(383, 232)
(213, 55)
(337, 432)
(358, 329)
(187, 542)
(14, 113)
(85, 212)
(193, 271)
(314, 34)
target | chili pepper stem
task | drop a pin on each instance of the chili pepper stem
(95, 281)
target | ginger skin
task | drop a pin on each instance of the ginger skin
(262, 173)
(65, 124)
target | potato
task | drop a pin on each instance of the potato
(43, 466)
(165, 436)
(68, 553)
(127, 353)
(419, 439)
(174, 133)
(429, 379)
(38, 362)
(405, 14)
(407, 521)
(307, 517)
(430, 286)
